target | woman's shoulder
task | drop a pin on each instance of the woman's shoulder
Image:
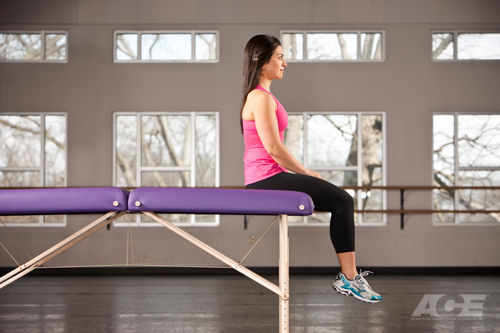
(260, 97)
(257, 93)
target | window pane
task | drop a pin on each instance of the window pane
(126, 150)
(204, 218)
(443, 165)
(55, 150)
(55, 46)
(339, 178)
(294, 136)
(331, 46)
(166, 47)
(372, 165)
(173, 218)
(166, 178)
(25, 219)
(126, 46)
(479, 199)
(372, 149)
(442, 46)
(332, 140)
(205, 150)
(20, 46)
(479, 140)
(53, 219)
(20, 179)
(443, 150)
(166, 141)
(20, 141)
(371, 46)
(478, 46)
(443, 200)
(293, 46)
(206, 46)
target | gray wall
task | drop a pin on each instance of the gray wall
(408, 86)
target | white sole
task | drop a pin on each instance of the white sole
(350, 293)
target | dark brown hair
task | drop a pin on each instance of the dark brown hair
(258, 52)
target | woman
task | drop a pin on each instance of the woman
(267, 160)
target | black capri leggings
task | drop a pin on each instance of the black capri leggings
(326, 197)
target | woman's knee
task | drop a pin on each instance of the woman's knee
(345, 200)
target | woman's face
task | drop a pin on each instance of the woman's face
(275, 68)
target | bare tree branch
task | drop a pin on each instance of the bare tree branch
(342, 44)
(150, 51)
(126, 169)
(165, 135)
(442, 46)
(124, 47)
(49, 137)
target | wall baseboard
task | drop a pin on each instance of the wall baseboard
(134, 270)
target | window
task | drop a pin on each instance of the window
(308, 46)
(171, 46)
(167, 149)
(348, 149)
(44, 46)
(465, 46)
(33, 154)
(466, 152)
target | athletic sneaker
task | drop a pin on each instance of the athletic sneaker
(357, 287)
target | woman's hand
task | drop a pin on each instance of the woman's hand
(313, 173)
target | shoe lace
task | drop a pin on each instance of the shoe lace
(362, 280)
(365, 273)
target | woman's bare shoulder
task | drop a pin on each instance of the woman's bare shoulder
(259, 97)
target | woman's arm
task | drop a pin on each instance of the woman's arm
(263, 108)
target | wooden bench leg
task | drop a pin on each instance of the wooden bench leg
(284, 279)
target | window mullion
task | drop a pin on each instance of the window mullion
(456, 166)
(192, 144)
(192, 148)
(193, 46)
(360, 164)
(139, 46)
(139, 152)
(358, 41)
(138, 172)
(455, 47)
(43, 55)
(42, 151)
(217, 150)
(305, 219)
(304, 47)
(42, 159)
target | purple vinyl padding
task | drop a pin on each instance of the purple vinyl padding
(219, 201)
(85, 200)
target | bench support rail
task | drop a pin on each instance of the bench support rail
(59, 248)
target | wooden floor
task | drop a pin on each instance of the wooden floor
(235, 304)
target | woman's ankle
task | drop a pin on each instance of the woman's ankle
(350, 274)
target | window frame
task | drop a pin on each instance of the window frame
(358, 168)
(192, 168)
(358, 32)
(456, 166)
(42, 34)
(193, 59)
(41, 169)
(455, 34)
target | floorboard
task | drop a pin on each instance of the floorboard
(235, 304)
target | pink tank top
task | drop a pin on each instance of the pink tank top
(258, 163)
